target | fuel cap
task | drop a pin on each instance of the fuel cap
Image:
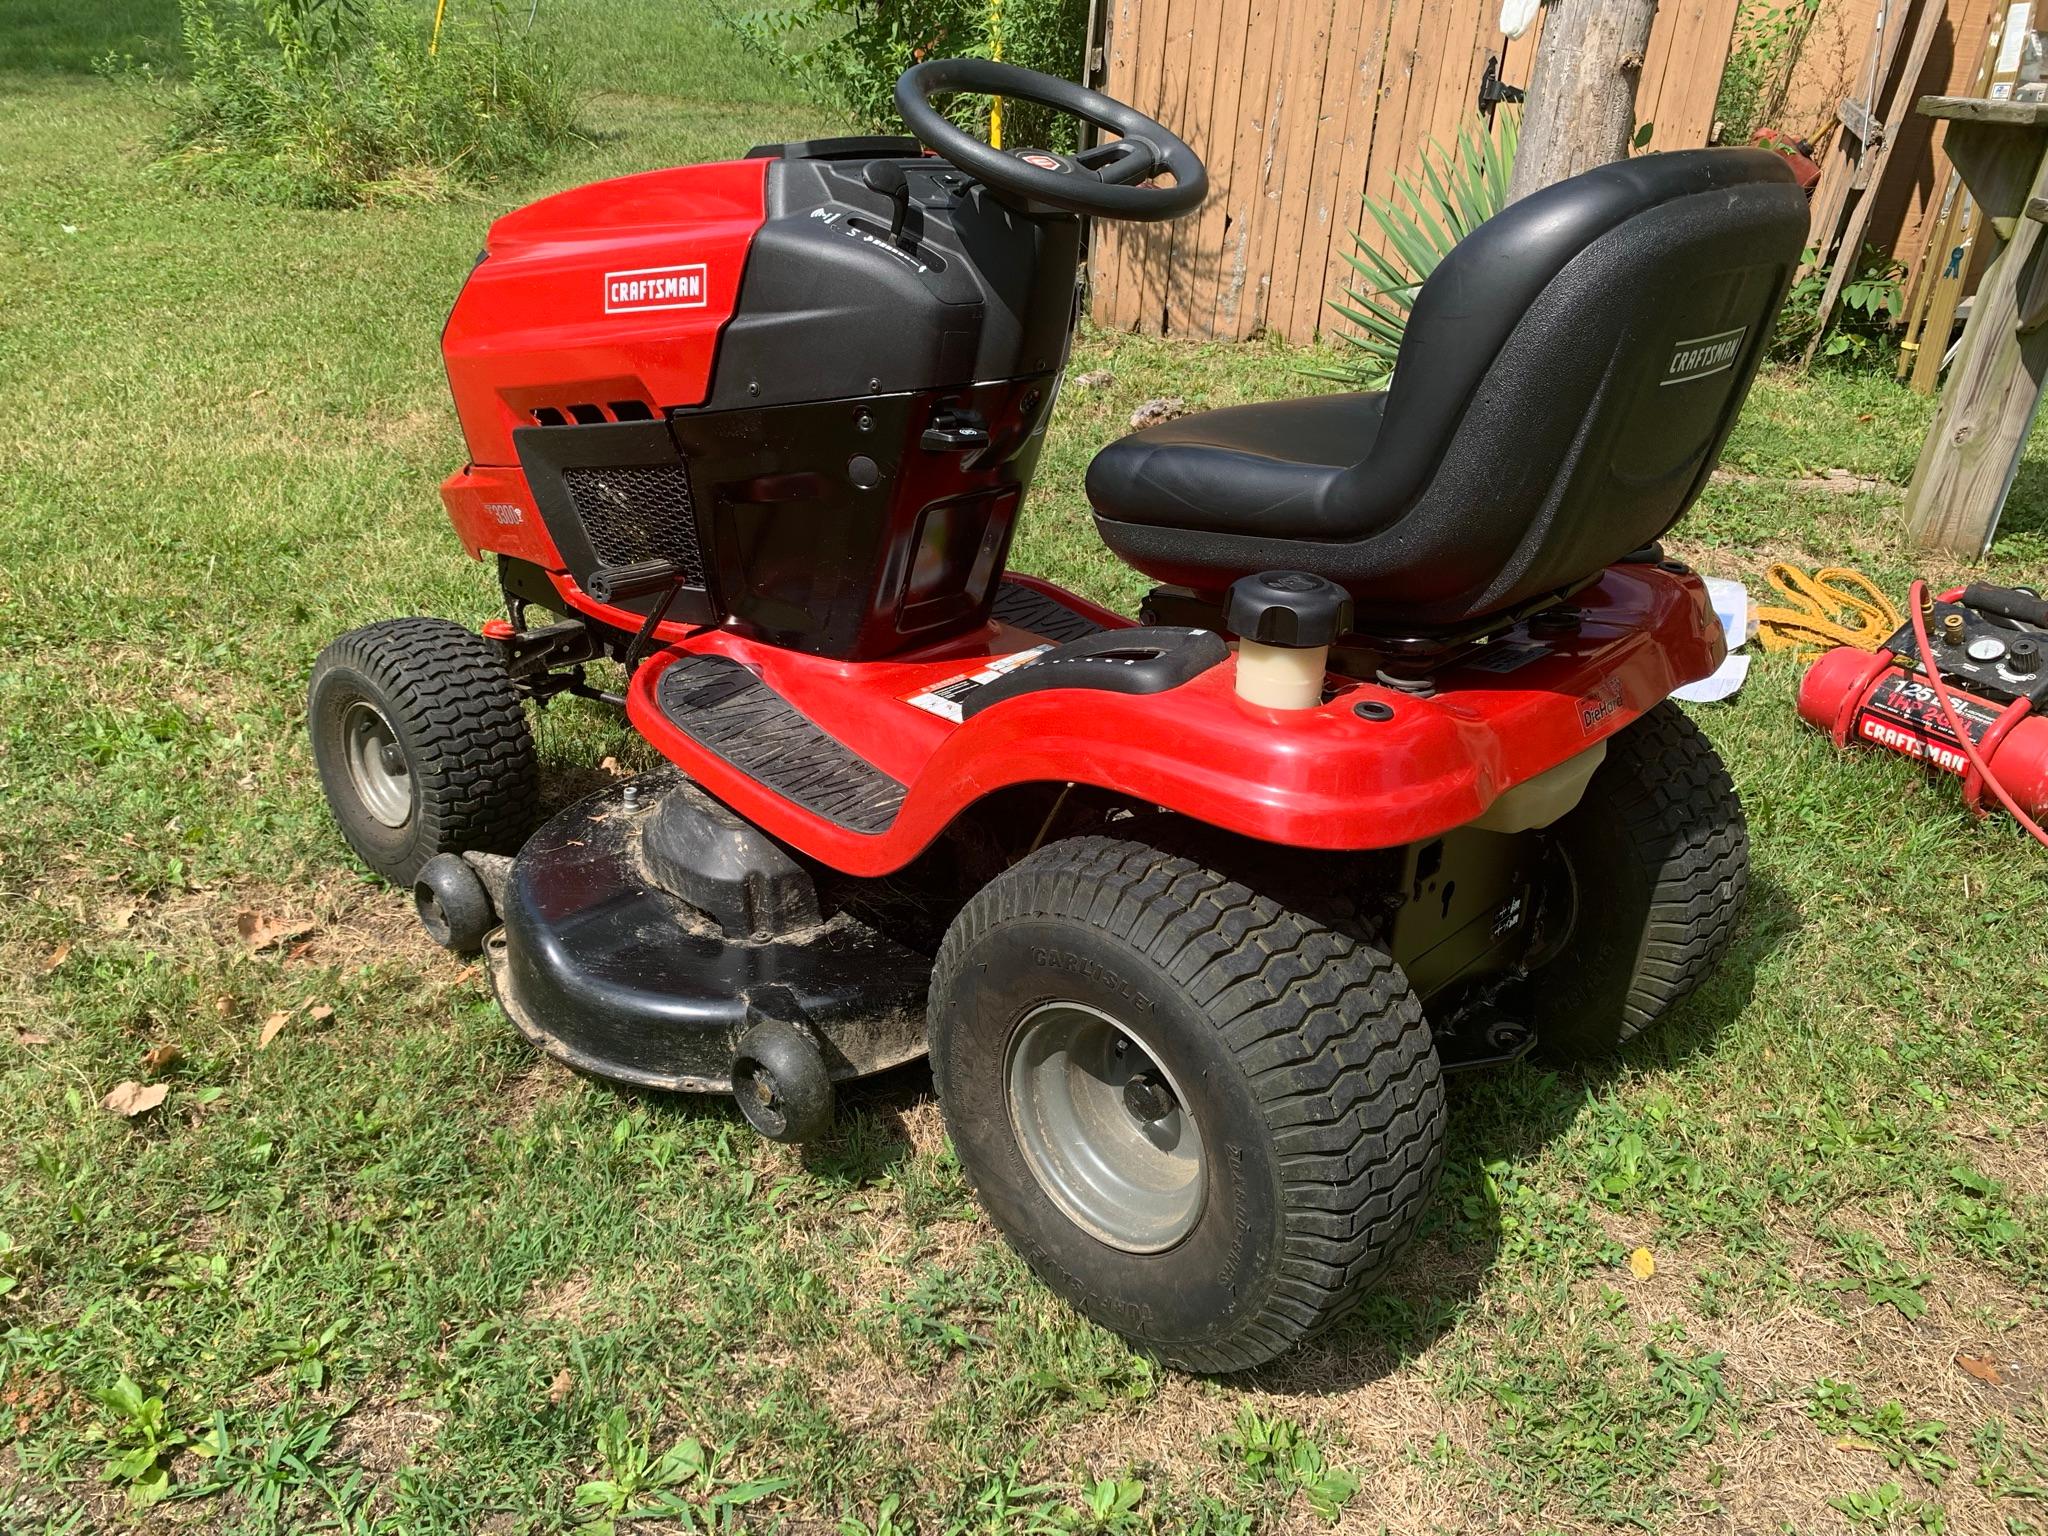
(1287, 608)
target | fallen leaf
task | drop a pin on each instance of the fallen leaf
(1641, 1264)
(224, 1005)
(612, 766)
(260, 932)
(298, 950)
(30, 1037)
(560, 1388)
(57, 957)
(1983, 1367)
(159, 1059)
(116, 919)
(270, 1028)
(318, 1011)
(131, 1099)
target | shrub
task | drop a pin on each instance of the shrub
(328, 103)
(1454, 191)
(1866, 311)
(851, 51)
(1758, 74)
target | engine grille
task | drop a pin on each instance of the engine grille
(638, 512)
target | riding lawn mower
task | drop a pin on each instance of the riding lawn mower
(1191, 909)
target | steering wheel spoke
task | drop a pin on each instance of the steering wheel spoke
(1114, 178)
(1120, 162)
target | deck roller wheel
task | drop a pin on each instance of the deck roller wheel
(453, 903)
(780, 1082)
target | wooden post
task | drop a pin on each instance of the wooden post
(1973, 449)
(1582, 95)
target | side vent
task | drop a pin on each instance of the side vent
(638, 512)
(586, 413)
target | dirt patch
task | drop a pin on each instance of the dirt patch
(1835, 482)
(385, 1436)
(867, 1394)
(564, 1301)
(2018, 1158)
(525, 1094)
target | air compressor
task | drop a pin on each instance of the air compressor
(1961, 687)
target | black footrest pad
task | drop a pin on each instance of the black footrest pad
(1047, 617)
(724, 708)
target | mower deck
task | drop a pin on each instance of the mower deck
(613, 974)
(835, 758)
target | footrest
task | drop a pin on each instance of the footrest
(727, 710)
(1023, 607)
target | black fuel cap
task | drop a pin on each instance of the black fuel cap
(1287, 608)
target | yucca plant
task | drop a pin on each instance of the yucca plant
(1456, 189)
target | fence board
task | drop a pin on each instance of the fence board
(1199, 114)
(1255, 115)
(1356, 50)
(1314, 24)
(1300, 107)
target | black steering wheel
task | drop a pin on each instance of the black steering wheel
(1102, 181)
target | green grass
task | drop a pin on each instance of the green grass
(392, 1272)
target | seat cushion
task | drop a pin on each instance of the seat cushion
(1267, 471)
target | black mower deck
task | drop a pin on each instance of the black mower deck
(610, 972)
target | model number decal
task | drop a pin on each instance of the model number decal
(646, 288)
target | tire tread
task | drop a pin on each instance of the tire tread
(1331, 1040)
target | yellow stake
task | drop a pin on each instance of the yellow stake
(434, 42)
(995, 50)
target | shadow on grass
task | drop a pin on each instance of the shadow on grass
(1508, 1117)
(1498, 1118)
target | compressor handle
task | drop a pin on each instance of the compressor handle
(2007, 603)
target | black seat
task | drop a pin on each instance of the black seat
(1569, 374)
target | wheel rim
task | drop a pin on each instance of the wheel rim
(1104, 1128)
(377, 768)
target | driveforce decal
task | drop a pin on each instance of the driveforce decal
(646, 288)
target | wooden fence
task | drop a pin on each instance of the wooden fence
(1301, 107)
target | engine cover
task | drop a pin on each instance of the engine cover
(815, 381)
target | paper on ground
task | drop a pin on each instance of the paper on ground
(1731, 607)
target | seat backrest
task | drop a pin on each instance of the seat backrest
(1571, 370)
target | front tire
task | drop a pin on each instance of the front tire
(422, 744)
(1651, 867)
(1206, 1120)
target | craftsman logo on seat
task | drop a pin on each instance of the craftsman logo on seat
(654, 288)
(1704, 356)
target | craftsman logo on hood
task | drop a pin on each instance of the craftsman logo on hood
(1704, 356)
(627, 293)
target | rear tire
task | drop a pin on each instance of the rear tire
(1102, 998)
(1653, 865)
(422, 744)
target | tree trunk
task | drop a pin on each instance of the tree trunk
(1582, 94)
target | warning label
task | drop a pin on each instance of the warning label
(945, 699)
